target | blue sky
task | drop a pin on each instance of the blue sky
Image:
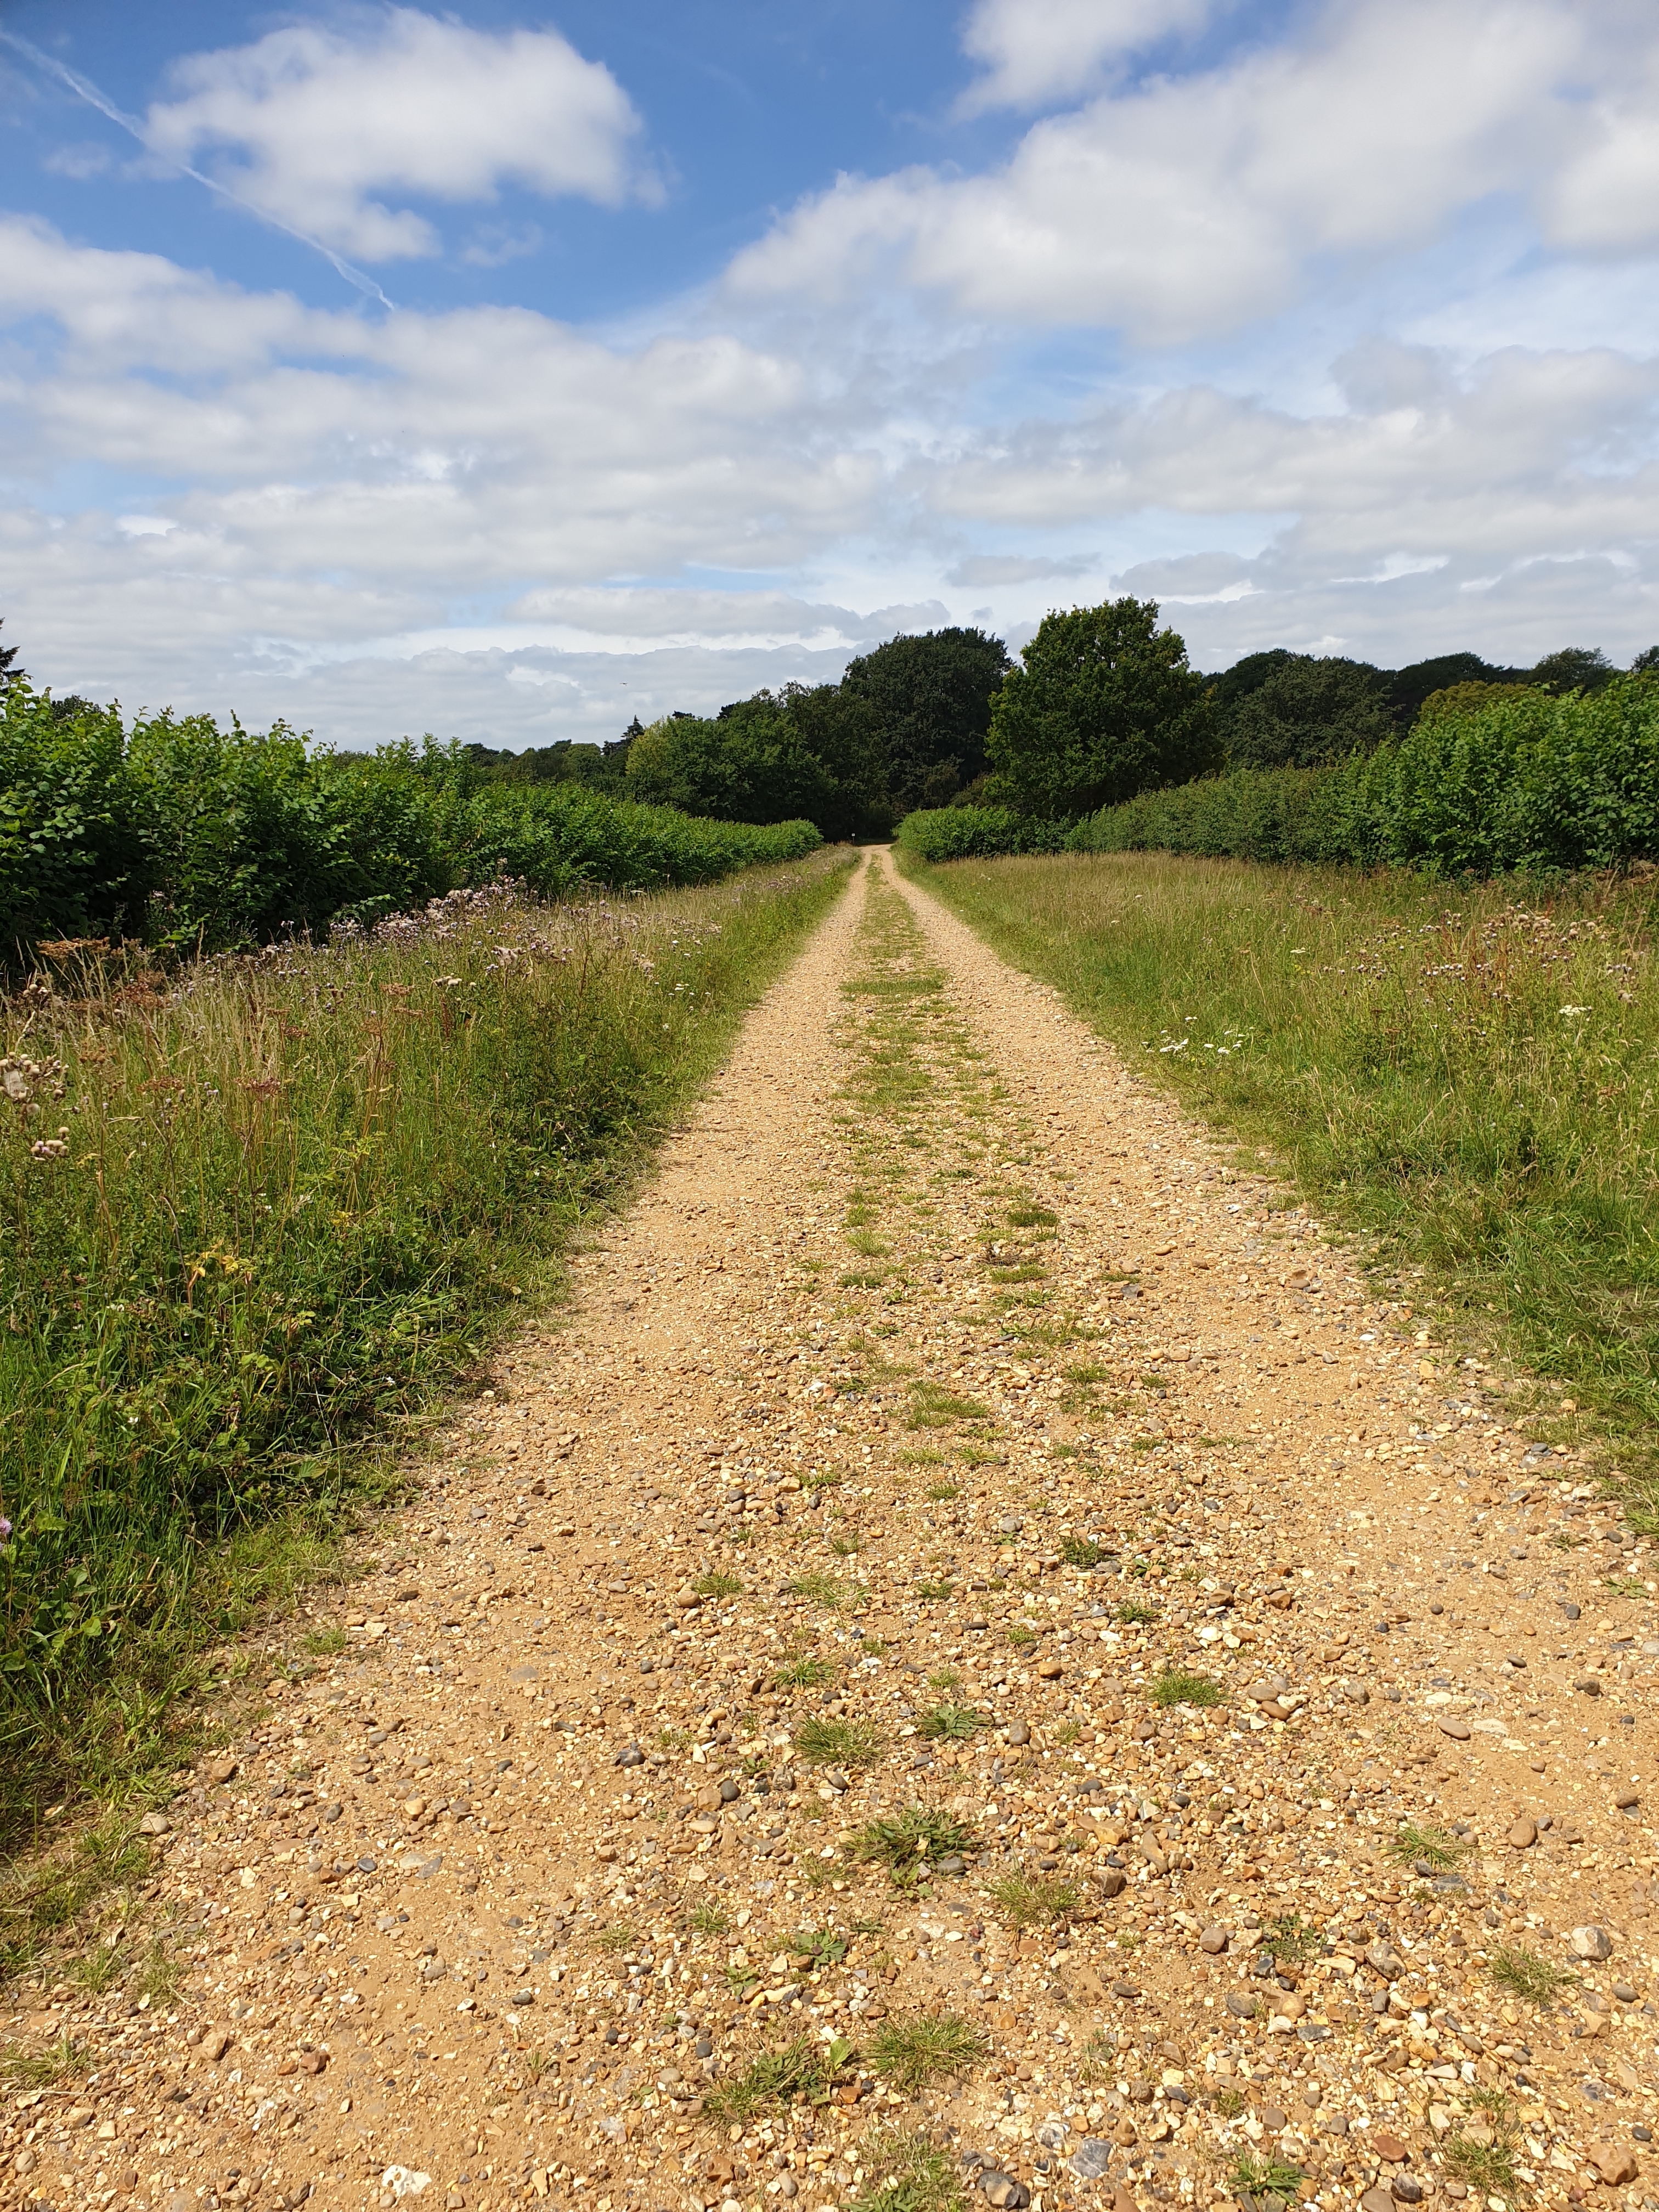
(503, 373)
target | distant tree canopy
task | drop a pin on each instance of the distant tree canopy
(9, 673)
(931, 697)
(1306, 710)
(1103, 705)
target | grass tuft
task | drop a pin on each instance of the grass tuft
(907, 2173)
(912, 2053)
(717, 1584)
(1254, 2177)
(1033, 1901)
(1415, 1842)
(800, 2069)
(803, 1674)
(909, 1841)
(1173, 1688)
(824, 1742)
(1524, 1974)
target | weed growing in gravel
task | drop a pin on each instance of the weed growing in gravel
(1033, 1901)
(1135, 1614)
(1290, 1937)
(934, 1593)
(1524, 1974)
(823, 1589)
(326, 1643)
(532, 2065)
(37, 2070)
(1080, 1552)
(941, 1491)
(1019, 1635)
(803, 1674)
(1173, 1688)
(718, 1585)
(908, 1841)
(946, 1679)
(819, 1946)
(1483, 2154)
(1259, 2177)
(1429, 1845)
(800, 2068)
(953, 1723)
(876, 1646)
(97, 1968)
(161, 1976)
(907, 2173)
(911, 2053)
(845, 1743)
(621, 1937)
(708, 1920)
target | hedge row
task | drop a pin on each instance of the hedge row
(972, 833)
(1522, 782)
(173, 830)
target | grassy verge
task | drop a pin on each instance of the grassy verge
(260, 1218)
(1467, 1075)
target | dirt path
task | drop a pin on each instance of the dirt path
(944, 1426)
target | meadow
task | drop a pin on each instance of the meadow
(1470, 1075)
(264, 1212)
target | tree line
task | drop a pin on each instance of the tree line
(1101, 707)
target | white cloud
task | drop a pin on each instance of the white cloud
(982, 569)
(1035, 50)
(311, 125)
(1190, 206)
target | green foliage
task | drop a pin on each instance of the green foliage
(1413, 1842)
(849, 1743)
(1310, 709)
(907, 2173)
(975, 833)
(177, 833)
(1102, 706)
(1033, 1900)
(1520, 780)
(931, 700)
(802, 2068)
(912, 2053)
(297, 1194)
(1176, 1687)
(953, 1723)
(908, 1841)
(748, 766)
(1527, 1974)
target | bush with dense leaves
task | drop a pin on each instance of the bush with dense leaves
(179, 832)
(1517, 780)
(970, 833)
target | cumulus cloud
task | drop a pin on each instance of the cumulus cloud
(1187, 206)
(1037, 50)
(983, 568)
(319, 127)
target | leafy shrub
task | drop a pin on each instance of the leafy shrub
(975, 833)
(182, 834)
(1517, 779)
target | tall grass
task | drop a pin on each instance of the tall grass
(1472, 1075)
(264, 1209)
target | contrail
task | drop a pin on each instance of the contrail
(84, 88)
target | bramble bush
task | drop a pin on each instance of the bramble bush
(177, 832)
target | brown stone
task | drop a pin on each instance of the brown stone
(222, 1769)
(1389, 2146)
(1456, 1730)
(1524, 1832)
(1614, 2163)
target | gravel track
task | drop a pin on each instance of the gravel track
(944, 1405)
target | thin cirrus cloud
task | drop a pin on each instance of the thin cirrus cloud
(324, 132)
(1189, 207)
